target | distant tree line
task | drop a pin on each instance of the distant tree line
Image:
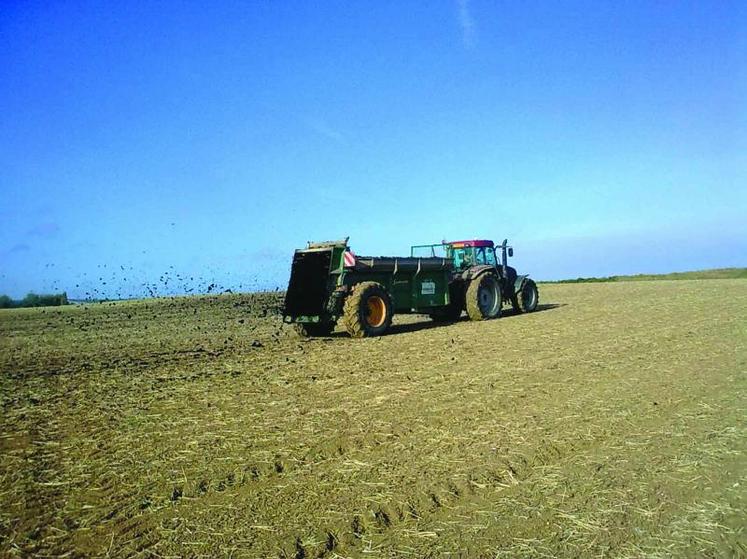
(34, 300)
(716, 273)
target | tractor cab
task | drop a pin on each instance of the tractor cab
(466, 254)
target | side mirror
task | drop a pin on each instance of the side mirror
(510, 251)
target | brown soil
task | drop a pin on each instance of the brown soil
(608, 423)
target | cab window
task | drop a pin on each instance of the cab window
(458, 256)
(462, 257)
(485, 255)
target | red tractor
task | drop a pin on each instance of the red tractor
(481, 283)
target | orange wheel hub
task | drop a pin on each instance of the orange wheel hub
(376, 314)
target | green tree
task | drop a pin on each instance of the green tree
(30, 300)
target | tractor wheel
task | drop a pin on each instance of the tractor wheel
(313, 329)
(484, 298)
(367, 310)
(527, 298)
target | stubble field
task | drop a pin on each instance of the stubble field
(610, 423)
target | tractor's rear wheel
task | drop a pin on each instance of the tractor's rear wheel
(528, 297)
(313, 329)
(484, 298)
(367, 310)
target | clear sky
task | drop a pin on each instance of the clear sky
(207, 140)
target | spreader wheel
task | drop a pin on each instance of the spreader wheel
(484, 298)
(528, 297)
(368, 310)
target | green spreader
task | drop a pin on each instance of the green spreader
(329, 283)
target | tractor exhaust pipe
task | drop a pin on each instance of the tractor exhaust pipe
(504, 258)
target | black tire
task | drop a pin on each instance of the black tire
(528, 297)
(449, 314)
(453, 311)
(367, 310)
(484, 298)
(313, 329)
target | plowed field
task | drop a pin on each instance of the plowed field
(609, 423)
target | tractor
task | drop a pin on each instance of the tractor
(481, 283)
(329, 283)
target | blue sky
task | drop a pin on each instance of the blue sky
(208, 140)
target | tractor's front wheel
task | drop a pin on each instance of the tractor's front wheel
(367, 310)
(313, 329)
(527, 298)
(484, 298)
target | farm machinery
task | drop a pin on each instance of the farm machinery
(329, 283)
